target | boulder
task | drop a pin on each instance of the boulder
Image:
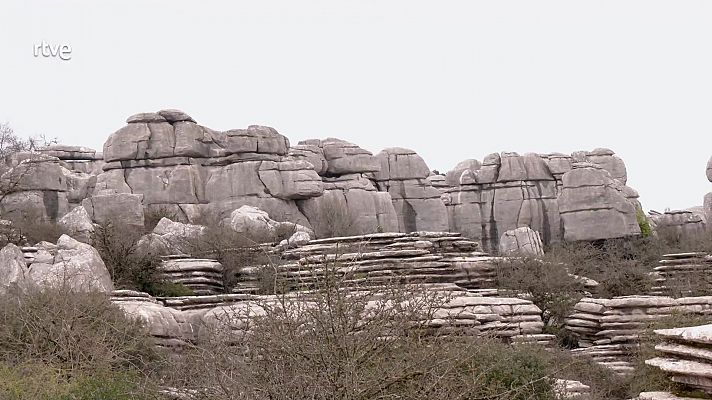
(254, 224)
(77, 224)
(593, 206)
(77, 267)
(343, 157)
(13, 269)
(522, 241)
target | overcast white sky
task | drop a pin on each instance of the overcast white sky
(449, 79)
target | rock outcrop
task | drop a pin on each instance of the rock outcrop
(403, 174)
(578, 197)
(377, 259)
(35, 188)
(78, 224)
(202, 276)
(351, 203)
(13, 270)
(194, 170)
(608, 329)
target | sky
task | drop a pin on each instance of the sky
(451, 80)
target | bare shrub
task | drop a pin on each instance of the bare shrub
(232, 249)
(334, 343)
(335, 220)
(129, 266)
(54, 343)
(153, 216)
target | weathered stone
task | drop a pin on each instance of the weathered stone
(77, 267)
(343, 157)
(13, 269)
(172, 115)
(145, 117)
(254, 224)
(119, 207)
(522, 241)
(311, 153)
(77, 224)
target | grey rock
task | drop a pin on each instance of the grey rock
(13, 269)
(125, 208)
(522, 241)
(77, 224)
(172, 115)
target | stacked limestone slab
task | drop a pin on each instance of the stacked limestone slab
(202, 276)
(573, 197)
(608, 329)
(683, 273)
(686, 354)
(378, 259)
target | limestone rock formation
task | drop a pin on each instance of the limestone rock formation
(77, 224)
(594, 206)
(202, 276)
(608, 329)
(428, 258)
(256, 225)
(74, 265)
(194, 170)
(351, 203)
(686, 356)
(168, 326)
(522, 241)
(507, 191)
(679, 224)
(403, 174)
(683, 274)
(35, 187)
(13, 269)
(125, 208)
(170, 237)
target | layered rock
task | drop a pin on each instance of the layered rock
(378, 259)
(574, 197)
(76, 158)
(403, 174)
(351, 203)
(686, 356)
(683, 274)
(196, 171)
(169, 327)
(608, 329)
(202, 276)
(169, 237)
(521, 241)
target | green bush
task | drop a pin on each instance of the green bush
(170, 289)
(645, 229)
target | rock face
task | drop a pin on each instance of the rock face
(403, 174)
(686, 356)
(608, 329)
(574, 197)
(594, 206)
(256, 225)
(523, 241)
(36, 186)
(194, 170)
(169, 237)
(169, 327)
(72, 265)
(351, 203)
(115, 207)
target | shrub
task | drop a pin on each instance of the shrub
(171, 289)
(57, 344)
(336, 220)
(333, 343)
(36, 231)
(231, 249)
(130, 267)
